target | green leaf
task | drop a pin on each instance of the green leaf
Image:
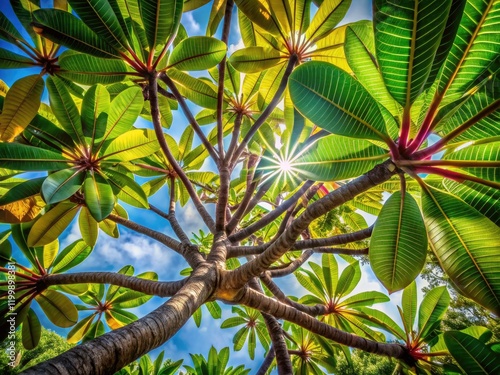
(22, 157)
(67, 30)
(409, 303)
(47, 253)
(134, 144)
(432, 309)
(32, 330)
(233, 322)
(382, 320)
(58, 308)
(255, 59)
(127, 189)
(80, 329)
(197, 53)
(124, 110)
(472, 355)
(8, 31)
(334, 101)
(97, 329)
(196, 90)
(329, 14)
(239, 338)
(259, 14)
(71, 256)
(398, 247)
(20, 106)
(88, 227)
(11, 60)
(334, 158)
(348, 279)
(161, 20)
(22, 191)
(5, 248)
(457, 235)
(366, 69)
(95, 108)
(364, 299)
(49, 226)
(99, 16)
(65, 109)
(89, 70)
(99, 196)
(472, 51)
(407, 38)
(61, 185)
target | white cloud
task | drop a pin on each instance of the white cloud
(190, 23)
(234, 47)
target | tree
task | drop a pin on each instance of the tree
(310, 124)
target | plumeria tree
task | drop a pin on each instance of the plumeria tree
(291, 140)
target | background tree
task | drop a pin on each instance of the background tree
(297, 133)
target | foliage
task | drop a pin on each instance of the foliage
(290, 141)
(50, 345)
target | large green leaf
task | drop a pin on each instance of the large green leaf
(95, 108)
(432, 309)
(196, 90)
(31, 331)
(117, 318)
(161, 19)
(88, 227)
(99, 196)
(258, 12)
(255, 59)
(8, 31)
(335, 101)
(488, 152)
(364, 66)
(134, 144)
(127, 189)
(337, 158)
(409, 304)
(65, 29)
(472, 51)
(99, 16)
(22, 190)
(72, 255)
(197, 53)
(407, 38)
(483, 198)
(65, 109)
(88, 70)
(398, 247)
(80, 329)
(124, 110)
(62, 184)
(329, 14)
(364, 299)
(348, 279)
(457, 234)
(472, 355)
(11, 60)
(58, 308)
(26, 158)
(20, 106)
(49, 226)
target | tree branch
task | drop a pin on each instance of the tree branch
(381, 173)
(271, 216)
(112, 351)
(155, 114)
(150, 287)
(280, 310)
(187, 112)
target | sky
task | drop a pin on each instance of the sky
(147, 255)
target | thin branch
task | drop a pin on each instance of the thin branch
(280, 310)
(150, 287)
(187, 112)
(165, 93)
(268, 360)
(286, 241)
(172, 219)
(291, 267)
(155, 114)
(251, 184)
(271, 216)
(234, 137)
(193, 258)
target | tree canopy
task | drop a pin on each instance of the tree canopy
(286, 145)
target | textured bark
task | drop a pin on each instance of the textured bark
(268, 360)
(283, 361)
(286, 241)
(154, 288)
(112, 351)
(280, 310)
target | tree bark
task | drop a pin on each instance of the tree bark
(114, 350)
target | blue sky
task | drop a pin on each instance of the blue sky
(147, 255)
